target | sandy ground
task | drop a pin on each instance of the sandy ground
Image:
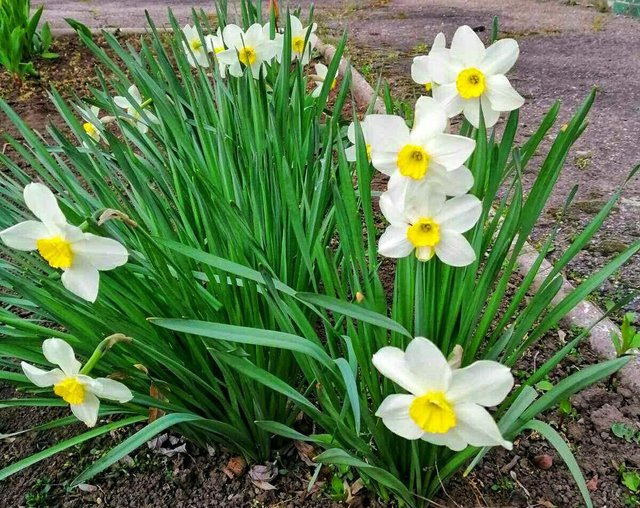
(565, 51)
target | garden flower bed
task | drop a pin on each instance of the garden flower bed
(500, 478)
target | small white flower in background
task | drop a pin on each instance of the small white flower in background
(468, 76)
(444, 406)
(299, 51)
(420, 71)
(319, 78)
(81, 392)
(93, 124)
(196, 52)
(125, 104)
(425, 152)
(80, 255)
(422, 220)
(246, 49)
(351, 152)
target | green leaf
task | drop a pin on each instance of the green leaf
(563, 450)
(133, 442)
(337, 456)
(354, 311)
(37, 457)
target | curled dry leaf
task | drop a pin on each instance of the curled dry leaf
(111, 214)
(306, 452)
(546, 504)
(235, 467)
(86, 487)
(154, 412)
(262, 474)
(592, 485)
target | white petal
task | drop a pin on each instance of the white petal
(477, 427)
(441, 67)
(489, 113)
(471, 111)
(122, 102)
(44, 205)
(501, 94)
(232, 36)
(142, 127)
(430, 119)
(447, 95)
(254, 35)
(296, 25)
(135, 93)
(386, 133)
(321, 70)
(318, 90)
(450, 150)
(351, 132)
(439, 42)
(228, 56)
(452, 440)
(394, 243)
(484, 382)
(385, 162)
(427, 361)
(420, 70)
(102, 253)
(106, 388)
(87, 412)
(391, 363)
(58, 352)
(423, 201)
(83, 280)
(350, 153)
(452, 183)
(23, 236)
(500, 57)
(392, 201)
(394, 412)
(42, 378)
(466, 47)
(460, 214)
(201, 58)
(454, 249)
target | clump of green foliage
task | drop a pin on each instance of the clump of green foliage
(20, 40)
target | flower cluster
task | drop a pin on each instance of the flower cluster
(429, 208)
(235, 49)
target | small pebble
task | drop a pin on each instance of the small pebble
(544, 461)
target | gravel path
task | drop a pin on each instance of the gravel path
(565, 50)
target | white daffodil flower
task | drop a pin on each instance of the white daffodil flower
(422, 220)
(319, 78)
(196, 51)
(132, 110)
(217, 43)
(246, 49)
(426, 152)
(470, 76)
(420, 71)
(81, 392)
(350, 152)
(299, 50)
(80, 255)
(93, 123)
(444, 406)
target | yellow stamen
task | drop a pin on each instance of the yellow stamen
(247, 55)
(297, 44)
(369, 152)
(470, 83)
(218, 49)
(433, 413)
(56, 251)
(195, 44)
(333, 84)
(413, 161)
(428, 86)
(71, 390)
(424, 233)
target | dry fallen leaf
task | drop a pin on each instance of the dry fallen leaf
(546, 504)
(235, 467)
(262, 474)
(592, 485)
(85, 487)
(154, 412)
(306, 452)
